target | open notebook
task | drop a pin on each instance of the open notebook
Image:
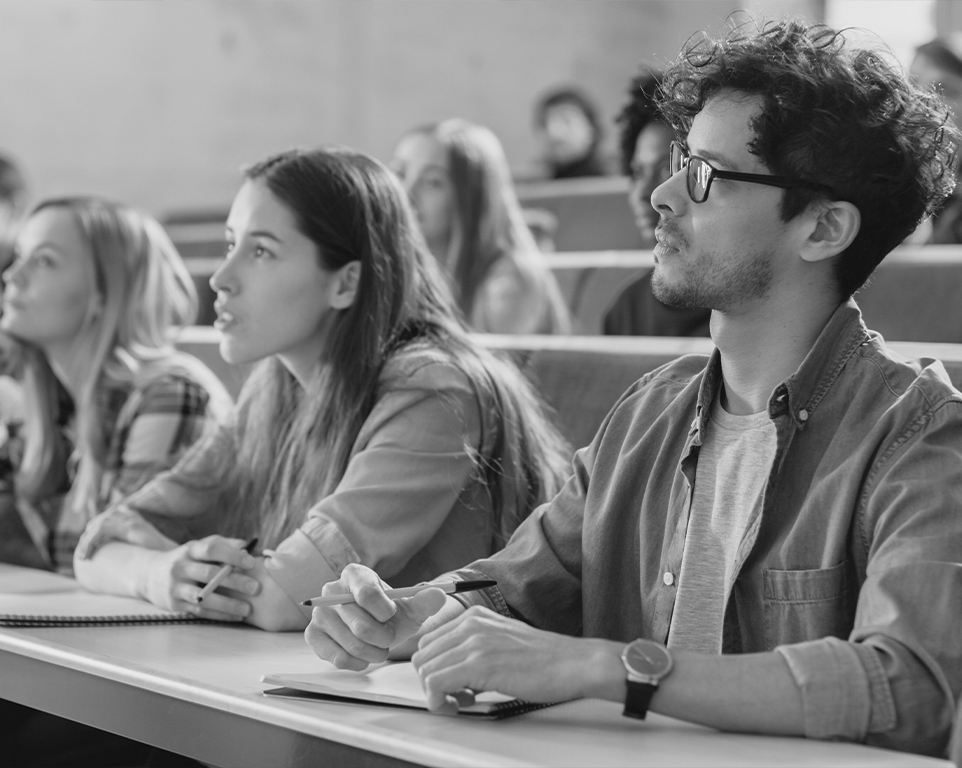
(38, 605)
(393, 684)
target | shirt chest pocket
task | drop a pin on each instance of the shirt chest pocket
(807, 605)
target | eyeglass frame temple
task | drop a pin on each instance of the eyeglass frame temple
(783, 182)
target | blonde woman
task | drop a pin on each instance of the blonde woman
(457, 178)
(92, 298)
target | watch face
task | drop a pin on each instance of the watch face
(646, 658)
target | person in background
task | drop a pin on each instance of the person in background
(89, 305)
(374, 430)
(766, 540)
(13, 203)
(570, 134)
(645, 144)
(937, 65)
(457, 178)
(92, 299)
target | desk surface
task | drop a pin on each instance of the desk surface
(195, 689)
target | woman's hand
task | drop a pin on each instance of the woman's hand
(120, 523)
(174, 578)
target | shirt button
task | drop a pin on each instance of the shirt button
(668, 578)
(803, 415)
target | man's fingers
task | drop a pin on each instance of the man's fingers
(367, 589)
(424, 605)
(344, 636)
(325, 648)
(444, 686)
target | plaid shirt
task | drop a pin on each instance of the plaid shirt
(151, 428)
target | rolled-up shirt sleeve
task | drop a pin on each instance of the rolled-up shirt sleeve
(539, 570)
(411, 463)
(895, 682)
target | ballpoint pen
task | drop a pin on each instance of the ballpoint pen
(448, 587)
(223, 573)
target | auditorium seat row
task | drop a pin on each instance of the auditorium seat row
(914, 295)
(580, 377)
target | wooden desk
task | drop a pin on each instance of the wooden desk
(194, 689)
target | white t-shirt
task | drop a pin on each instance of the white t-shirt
(733, 466)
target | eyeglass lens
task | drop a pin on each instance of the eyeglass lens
(699, 174)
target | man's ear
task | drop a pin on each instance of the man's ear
(834, 226)
(344, 285)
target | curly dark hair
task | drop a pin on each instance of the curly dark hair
(637, 114)
(832, 114)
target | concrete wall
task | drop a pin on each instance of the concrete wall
(159, 103)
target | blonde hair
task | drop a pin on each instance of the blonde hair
(144, 291)
(488, 224)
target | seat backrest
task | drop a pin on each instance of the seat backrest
(915, 294)
(581, 378)
(591, 213)
(591, 280)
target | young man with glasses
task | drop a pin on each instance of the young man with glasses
(769, 539)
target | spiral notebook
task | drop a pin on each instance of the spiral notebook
(394, 684)
(77, 608)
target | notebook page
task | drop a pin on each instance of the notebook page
(78, 604)
(389, 683)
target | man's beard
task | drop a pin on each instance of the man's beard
(707, 283)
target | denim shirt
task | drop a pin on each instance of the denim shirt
(852, 570)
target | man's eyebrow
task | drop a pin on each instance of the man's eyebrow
(715, 157)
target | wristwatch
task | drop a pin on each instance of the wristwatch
(647, 663)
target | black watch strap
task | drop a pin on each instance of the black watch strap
(638, 698)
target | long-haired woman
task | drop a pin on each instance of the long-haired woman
(457, 177)
(374, 430)
(93, 298)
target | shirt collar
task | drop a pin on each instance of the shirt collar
(800, 393)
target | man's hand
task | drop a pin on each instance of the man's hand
(175, 578)
(483, 651)
(356, 635)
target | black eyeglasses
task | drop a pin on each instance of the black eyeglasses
(701, 173)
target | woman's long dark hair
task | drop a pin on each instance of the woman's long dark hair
(295, 442)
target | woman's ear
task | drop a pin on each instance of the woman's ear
(835, 225)
(344, 285)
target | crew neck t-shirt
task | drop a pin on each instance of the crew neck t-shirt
(733, 466)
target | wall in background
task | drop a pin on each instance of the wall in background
(160, 103)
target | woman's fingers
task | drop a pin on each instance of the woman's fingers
(203, 573)
(221, 550)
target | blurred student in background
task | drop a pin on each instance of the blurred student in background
(373, 431)
(645, 147)
(938, 65)
(570, 134)
(92, 298)
(457, 178)
(13, 203)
